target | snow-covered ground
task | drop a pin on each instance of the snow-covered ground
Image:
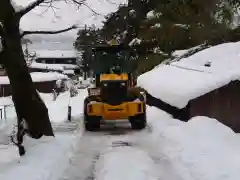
(125, 163)
(168, 148)
(202, 148)
(47, 158)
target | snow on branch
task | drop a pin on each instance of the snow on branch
(48, 32)
(83, 3)
(30, 7)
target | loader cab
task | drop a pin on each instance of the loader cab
(111, 78)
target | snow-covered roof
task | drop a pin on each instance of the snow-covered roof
(69, 72)
(49, 76)
(56, 54)
(69, 66)
(189, 78)
(55, 67)
(38, 77)
(150, 14)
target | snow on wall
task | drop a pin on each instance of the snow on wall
(189, 78)
(55, 53)
(69, 66)
(56, 67)
(38, 77)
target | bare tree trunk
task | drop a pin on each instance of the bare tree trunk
(28, 104)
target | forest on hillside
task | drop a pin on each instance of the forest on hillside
(161, 27)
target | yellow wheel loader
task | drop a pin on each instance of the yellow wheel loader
(114, 97)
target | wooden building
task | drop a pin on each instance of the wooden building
(205, 84)
(222, 104)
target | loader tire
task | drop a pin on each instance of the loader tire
(138, 122)
(93, 124)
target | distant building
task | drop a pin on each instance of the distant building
(57, 60)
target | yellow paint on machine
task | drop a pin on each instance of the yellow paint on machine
(107, 77)
(109, 112)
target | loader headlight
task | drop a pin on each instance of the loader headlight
(90, 109)
(139, 107)
(94, 92)
(123, 84)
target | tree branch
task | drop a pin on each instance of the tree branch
(48, 32)
(1, 30)
(30, 7)
(83, 3)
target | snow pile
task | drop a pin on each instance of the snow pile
(46, 158)
(150, 15)
(125, 163)
(157, 25)
(77, 103)
(58, 110)
(202, 148)
(189, 78)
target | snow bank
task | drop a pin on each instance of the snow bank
(46, 159)
(58, 110)
(150, 15)
(77, 103)
(189, 78)
(202, 148)
(125, 163)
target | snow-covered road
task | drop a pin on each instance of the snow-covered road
(117, 153)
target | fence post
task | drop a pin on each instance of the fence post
(69, 113)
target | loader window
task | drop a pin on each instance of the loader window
(114, 92)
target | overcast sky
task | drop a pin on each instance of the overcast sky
(66, 15)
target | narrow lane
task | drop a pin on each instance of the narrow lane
(92, 144)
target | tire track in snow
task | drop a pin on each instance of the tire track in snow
(93, 144)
